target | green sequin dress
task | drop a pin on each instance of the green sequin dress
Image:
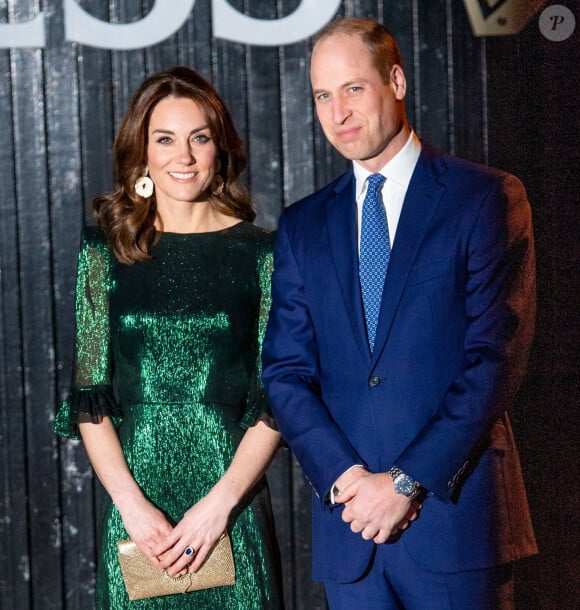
(170, 349)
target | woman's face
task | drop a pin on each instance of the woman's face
(181, 153)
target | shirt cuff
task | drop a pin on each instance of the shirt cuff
(334, 491)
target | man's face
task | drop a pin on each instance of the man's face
(362, 117)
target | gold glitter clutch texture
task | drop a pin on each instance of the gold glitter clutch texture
(143, 580)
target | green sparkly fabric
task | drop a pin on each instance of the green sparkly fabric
(170, 349)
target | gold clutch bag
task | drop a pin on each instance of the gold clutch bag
(143, 580)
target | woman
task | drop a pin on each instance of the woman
(173, 292)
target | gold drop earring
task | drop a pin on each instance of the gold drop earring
(217, 185)
(144, 185)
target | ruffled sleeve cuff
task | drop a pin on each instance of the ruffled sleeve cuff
(88, 404)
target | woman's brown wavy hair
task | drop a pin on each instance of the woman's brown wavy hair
(127, 218)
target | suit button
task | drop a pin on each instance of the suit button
(374, 381)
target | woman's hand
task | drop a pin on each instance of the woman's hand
(199, 530)
(145, 523)
(204, 523)
(147, 527)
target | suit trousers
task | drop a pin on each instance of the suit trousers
(394, 581)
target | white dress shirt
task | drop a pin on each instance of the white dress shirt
(398, 172)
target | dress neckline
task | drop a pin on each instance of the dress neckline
(201, 233)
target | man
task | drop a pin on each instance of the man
(395, 344)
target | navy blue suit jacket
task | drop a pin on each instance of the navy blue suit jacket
(454, 333)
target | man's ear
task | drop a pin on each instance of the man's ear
(398, 82)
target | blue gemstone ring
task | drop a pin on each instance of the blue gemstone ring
(189, 551)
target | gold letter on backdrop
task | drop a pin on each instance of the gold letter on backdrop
(500, 17)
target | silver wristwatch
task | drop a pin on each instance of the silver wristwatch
(404, 484)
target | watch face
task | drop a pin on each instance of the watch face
(405, 485)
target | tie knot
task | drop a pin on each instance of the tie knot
(375, 181)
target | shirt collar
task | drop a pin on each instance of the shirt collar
(399, 169)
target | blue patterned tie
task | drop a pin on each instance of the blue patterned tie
(375, 251)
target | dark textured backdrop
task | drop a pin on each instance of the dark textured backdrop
(508, 101)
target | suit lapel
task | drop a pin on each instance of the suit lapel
(423, 196)
(343, 237)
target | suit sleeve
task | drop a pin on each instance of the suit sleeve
(500, 315)
(292, 377)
